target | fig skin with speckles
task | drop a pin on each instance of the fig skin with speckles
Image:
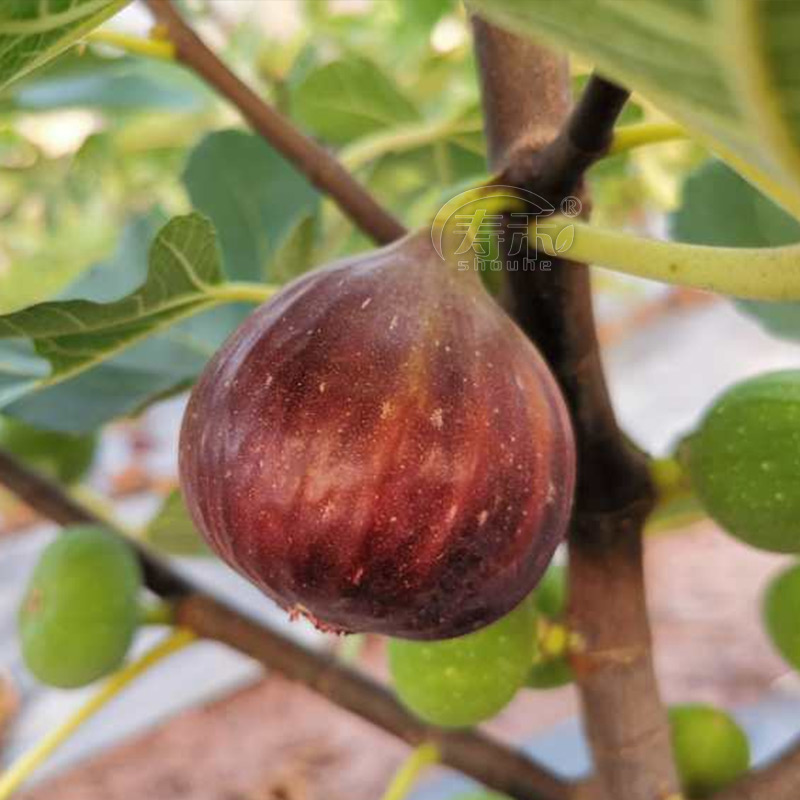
(381, 449)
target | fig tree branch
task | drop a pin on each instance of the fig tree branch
(319, 166)
(624, 719)
(471, 752)
(779, 780)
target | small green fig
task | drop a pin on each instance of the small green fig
(711, 750)
(551, 668)
(464, 681)
(80, 610)
(381, 449)
(744, 461)
(782, 614)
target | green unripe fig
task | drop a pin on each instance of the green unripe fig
(744, 461)
(63, 456)
(710, 749)
(460, 682)
(550, 596)
(80, 610)
(551, 667)
(782, 614)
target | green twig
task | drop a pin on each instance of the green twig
(161, 49)
(242, 292)
(160, 612)
(404, 779)
(629, 136)
(18, 772)
(769, 273)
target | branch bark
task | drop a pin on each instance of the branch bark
(624, 719)
(473, 753)
(779, 780)
(315, 162)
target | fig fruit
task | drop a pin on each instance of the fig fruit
(464, 681)
(782, 614)
(81, 608)
(744, 461)
(711, 750)
(551, 668)
(381, 449)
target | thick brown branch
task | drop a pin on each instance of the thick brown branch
(624, 718)
(317, 164)
(473, 753)
(469, 751)
(780, 780)
(47, 499)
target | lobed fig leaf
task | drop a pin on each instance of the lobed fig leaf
(380, 448)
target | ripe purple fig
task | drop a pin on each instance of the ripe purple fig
(380, 448)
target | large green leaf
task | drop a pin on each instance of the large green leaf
(164, 363)
(349, 98)
(252, 196)
(172, 531)
(728, 69)
(34, 31)
(120, 84)
(74, 335)
(719, 208)
(20, 370)
(121, 386)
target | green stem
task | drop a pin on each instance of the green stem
(629, 136)
(405, 138)
(241, 292)
(768, 273)
(424, 756)
(18, 772)
(151, 48)
(157, 613)
(669, 478)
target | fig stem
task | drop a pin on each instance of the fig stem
(424, 756)
(669, 478)
(160, 49)
(403, 138)
(158, 613)
(763, 273)
(19, 771)
(627, 137)
(242, 292)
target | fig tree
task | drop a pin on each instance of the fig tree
(380, 448)
(745, 461)
(80, 610)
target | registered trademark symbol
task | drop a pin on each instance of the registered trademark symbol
(571, 206)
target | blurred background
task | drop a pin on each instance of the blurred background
(98, 149)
